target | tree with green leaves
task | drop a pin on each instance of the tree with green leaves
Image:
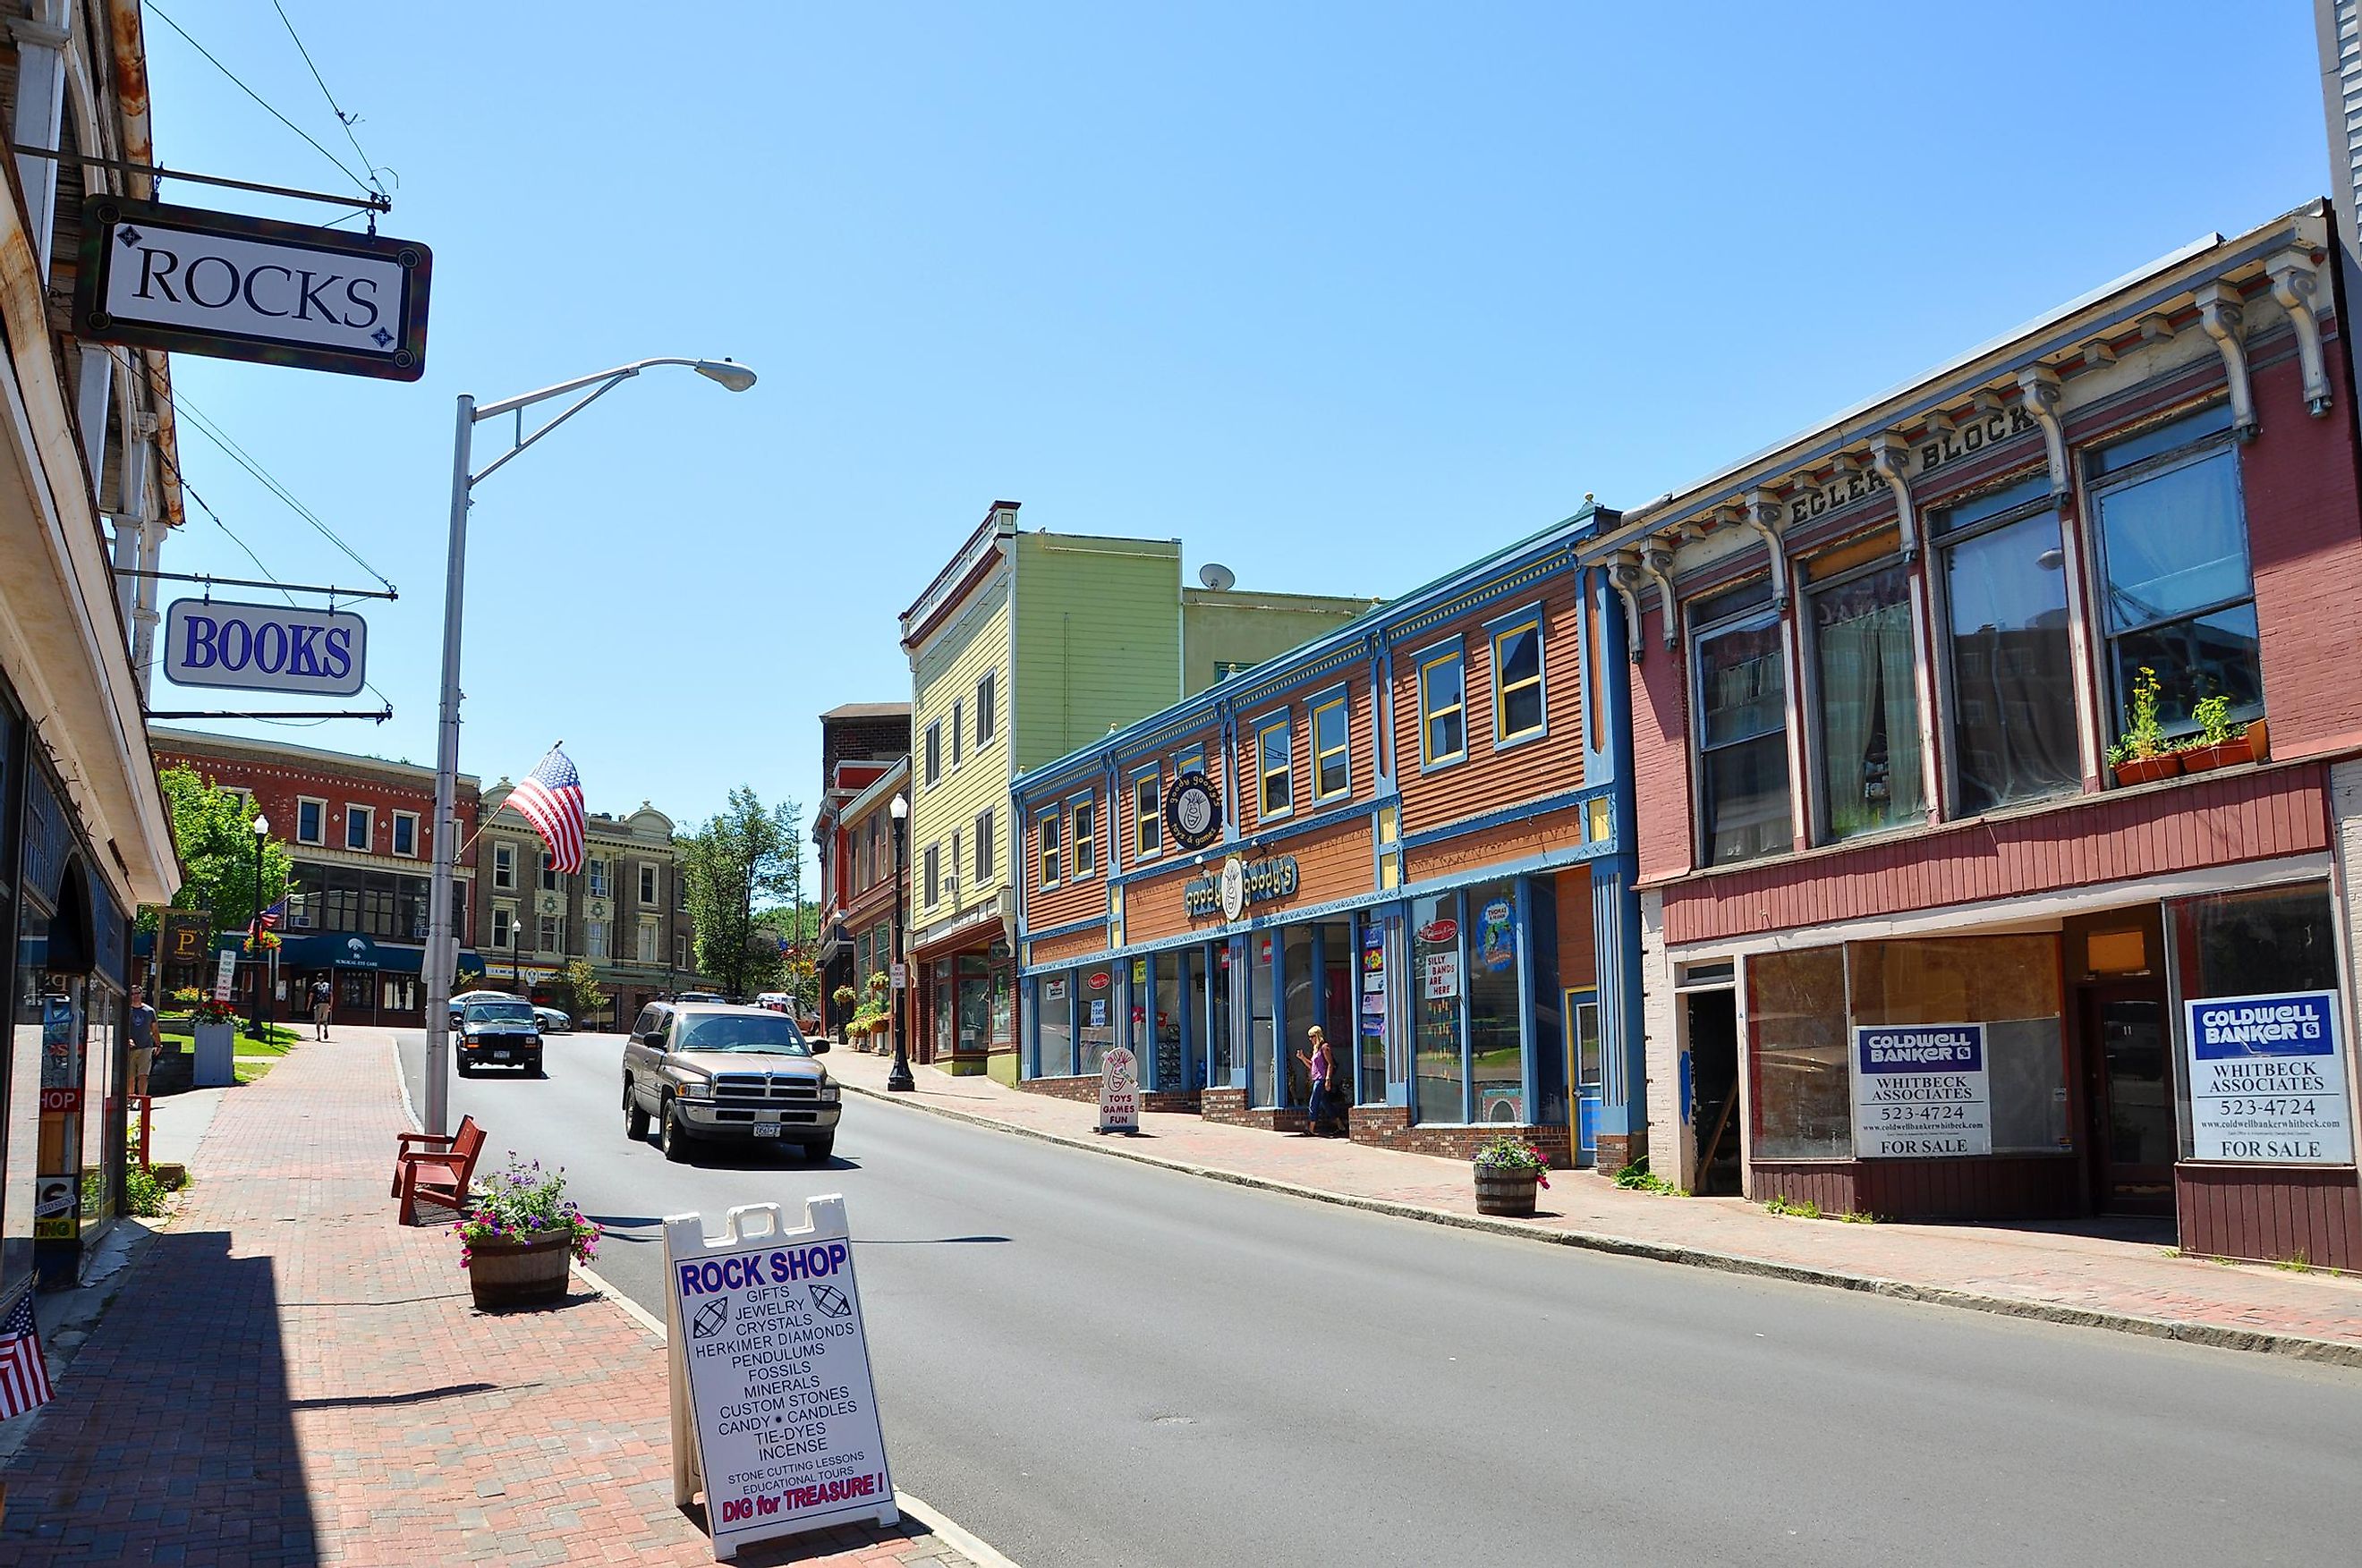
(734, 868)
(797, 926)
(212, 828)
(577, 991)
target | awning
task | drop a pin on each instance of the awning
(348, 949)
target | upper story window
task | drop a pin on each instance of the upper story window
(2172, 538)
(310, 821)
(1332, 767)
(1048, 828)
(548, 872)
(598, 868)
(2010, 667)
(405, 833)
(359, 822)
(934, 752)
(1518, 709)
(958, 714)
(984, 845)
(934, 873)
(504, 865)
(1147, 808)
(1275, 765)
(647, 884)
(1086, 836)
(1192, 760)
(1442, 708)
(503, 925)
(985, 715)
(1742, 727)
(1865, 657)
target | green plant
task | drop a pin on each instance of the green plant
(1858, 1217)
(1637, 1177)
(2144, 733)
(522, 1204)
(2215, 725)
(1801, 1208)
(878, 982)
(2295, 1263)
(2168, 1251)
(202, 1006)
(142, 1194)
(1510, 1152)
(844, 996)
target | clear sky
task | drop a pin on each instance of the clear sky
(1340, 296)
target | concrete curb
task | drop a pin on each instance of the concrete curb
(2298, 1347)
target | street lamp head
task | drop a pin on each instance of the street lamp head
(900, 806)
(736, 377)
(261, 825)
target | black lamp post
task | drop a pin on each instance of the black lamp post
(900, 1080)
(254, 930)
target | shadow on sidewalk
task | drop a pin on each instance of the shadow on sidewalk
(172, 1436)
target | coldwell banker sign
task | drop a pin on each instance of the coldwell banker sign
(240, 287)
(264, 648)
(2268, 1079)
(1920, 1091)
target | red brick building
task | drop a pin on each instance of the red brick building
(361, 832)
(863, 745)
(1945, 911)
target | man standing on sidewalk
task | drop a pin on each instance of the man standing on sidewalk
(142, 1026)
(320, 1008)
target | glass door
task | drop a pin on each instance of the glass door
(1581, 1015)
(2128, 1099)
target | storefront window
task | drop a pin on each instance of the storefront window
(975, 1019)
(100, 1085)
(1259, 1019)
(1436, 1066)
(1864, 651)
(2013, 675)
(2009, 985)
(1743, 740)
(1218, 1019)
(1094, 1023)
(1171, 1073)
(1797, 1083)
(2258, 944)
(1370, 986)
(1496, 1034)
(1303, 1009)
(1055, 1020)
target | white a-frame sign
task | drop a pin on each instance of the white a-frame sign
(773, 1414)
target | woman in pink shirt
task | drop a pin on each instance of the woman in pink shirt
(1317, 1063)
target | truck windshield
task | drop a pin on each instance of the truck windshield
(498, 1013)
(772, 1034)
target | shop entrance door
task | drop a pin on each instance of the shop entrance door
(1710, 1025)
(2128, 1099)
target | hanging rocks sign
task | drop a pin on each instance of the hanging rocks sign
(774, 1417)
(240, 287)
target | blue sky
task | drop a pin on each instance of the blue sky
(1340, 296)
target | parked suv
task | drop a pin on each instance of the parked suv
(501, 1032)
(699, 1069)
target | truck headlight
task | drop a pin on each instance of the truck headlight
(828, 1093)
(696, 1089)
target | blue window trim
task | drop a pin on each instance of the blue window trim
(1340, 697)
(1088, 797)
(1453, 647)
(1183, 761)
(1148, 769)
(1280, 718)
(1057, 815)
(1535, 615)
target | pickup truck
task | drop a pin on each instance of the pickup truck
(697, 1070)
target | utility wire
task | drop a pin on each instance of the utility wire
(348, 121)
(259, 98)
(206, 426)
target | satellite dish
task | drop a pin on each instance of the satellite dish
(1216, 576)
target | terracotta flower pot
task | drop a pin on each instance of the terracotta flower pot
(520, 1274)
(2148, 770)
(1504, 1189)
(2222, 754)
(2258, 739)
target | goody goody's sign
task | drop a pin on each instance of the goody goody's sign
(265, 648)
(2268, 1079)
(773, 1412)
(239, 287)
(1921, 1092)
(1119, 1091)
(1193, 811)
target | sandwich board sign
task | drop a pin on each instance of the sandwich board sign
(1119, 1091)
(774, 1417)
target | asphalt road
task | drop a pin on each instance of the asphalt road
(1091, 1362)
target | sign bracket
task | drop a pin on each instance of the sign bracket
(378, 716)
(208, 579)
(373, 202)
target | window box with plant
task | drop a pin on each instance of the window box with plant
(519, 1235)
(2221, 743)
(2143, 756)
(1509, 1170)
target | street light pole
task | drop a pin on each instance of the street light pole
(898, 1080)
(254, 926)
(442, 948)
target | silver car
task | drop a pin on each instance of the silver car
(708, 1071)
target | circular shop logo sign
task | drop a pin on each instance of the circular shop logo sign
(1193, 811)
(1234, 888)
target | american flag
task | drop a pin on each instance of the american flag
(551, 799)
(274, 914)
(24, 1379)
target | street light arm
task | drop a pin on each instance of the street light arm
(621, 372)
(615, 378)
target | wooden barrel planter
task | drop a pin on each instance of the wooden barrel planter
(520, 1274)
(1503, 1189)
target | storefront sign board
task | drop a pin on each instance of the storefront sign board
(774, 1413)
(1054, 989)
(265, 648)
(1440, 976)
(1921, 1092)
(1193, 811)
(2268, 1079)
(1238, 883)
(1119, 1091)
(183, 938)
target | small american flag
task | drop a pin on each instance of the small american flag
(274, 914)
(551, 799)
(23, 1377)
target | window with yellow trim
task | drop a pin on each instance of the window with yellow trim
(1332, 771)
(1517, 682)
(1048, 828)
(1275, 764)
(1086, 838)
(1442, 708)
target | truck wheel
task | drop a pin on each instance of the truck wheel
(817, 1150)
(672, 1138)
(635, 1121)
(467, 1068)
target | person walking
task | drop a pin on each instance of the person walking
(141, 1026)
(320, 1008)
(1317, 1062)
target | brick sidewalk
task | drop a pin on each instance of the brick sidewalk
(2038, 1271)
(292, 1378)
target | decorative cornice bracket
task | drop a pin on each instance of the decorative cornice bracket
(2221, 313)
(1761, 513)
(2296, 284)
(1891, 455)
(2044, 397)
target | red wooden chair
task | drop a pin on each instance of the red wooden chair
(441, 1178)
(438, 1142)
